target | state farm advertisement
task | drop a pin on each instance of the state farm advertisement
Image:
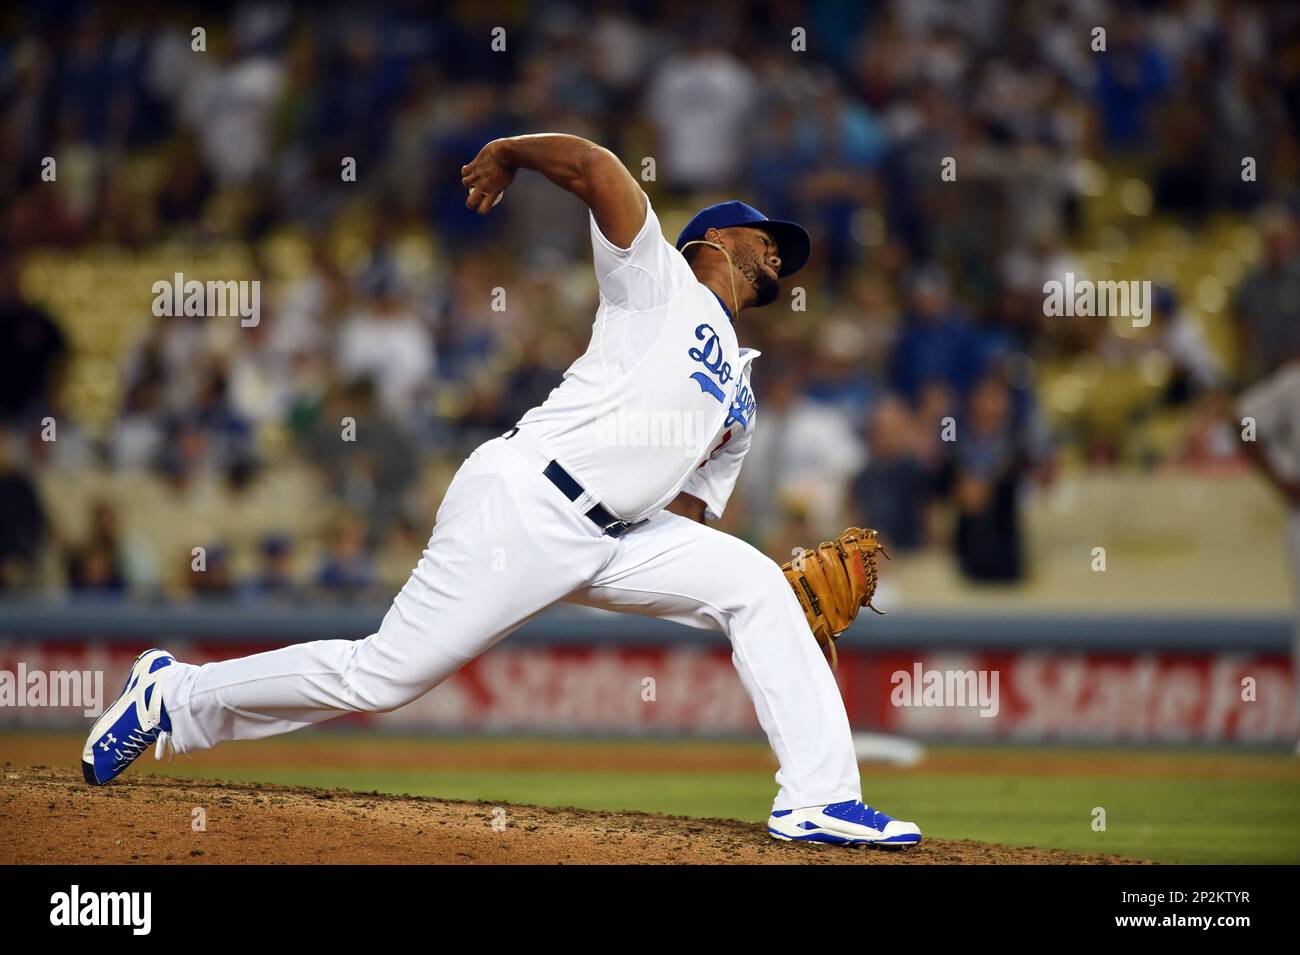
(685, 689)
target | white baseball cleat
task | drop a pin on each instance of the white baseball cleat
(842, 823)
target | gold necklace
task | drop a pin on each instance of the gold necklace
(731, 271)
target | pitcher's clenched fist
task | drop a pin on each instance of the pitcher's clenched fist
(487, 176)
(592, 173)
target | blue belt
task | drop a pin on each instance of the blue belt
(570, 488)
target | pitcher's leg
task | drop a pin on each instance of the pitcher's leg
(683, 571)
(506, 545)
(283, 690)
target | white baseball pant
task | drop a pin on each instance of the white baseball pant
(508, 544)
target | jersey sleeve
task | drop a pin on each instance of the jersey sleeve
(714, 480)
(646, 275)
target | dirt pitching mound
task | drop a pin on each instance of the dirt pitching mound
(51, 816)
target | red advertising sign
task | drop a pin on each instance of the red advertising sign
(1014, 696)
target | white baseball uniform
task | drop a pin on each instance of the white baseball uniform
(659, 403)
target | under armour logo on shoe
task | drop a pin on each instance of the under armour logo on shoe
(110, 738)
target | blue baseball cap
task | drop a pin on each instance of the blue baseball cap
(791, 239)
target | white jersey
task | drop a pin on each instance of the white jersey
(661, 401)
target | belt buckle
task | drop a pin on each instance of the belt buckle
(615, 528)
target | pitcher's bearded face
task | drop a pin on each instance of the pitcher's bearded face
(757, 259)
(766, 284)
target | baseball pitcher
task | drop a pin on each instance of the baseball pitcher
(565, 506)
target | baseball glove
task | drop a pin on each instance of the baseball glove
(833, 581)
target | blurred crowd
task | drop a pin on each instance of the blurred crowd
(924, 302)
